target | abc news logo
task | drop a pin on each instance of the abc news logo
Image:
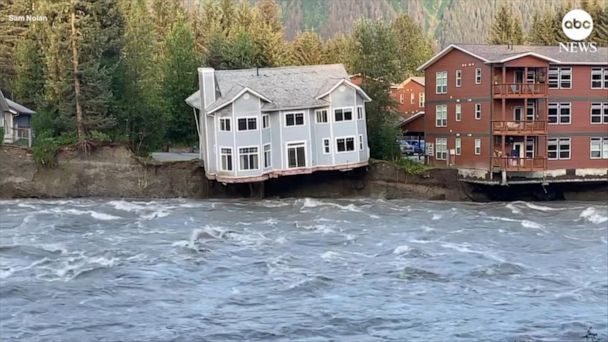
(577, 25)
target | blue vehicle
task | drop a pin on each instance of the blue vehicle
(418, 145)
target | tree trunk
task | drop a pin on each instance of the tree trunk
(79, 118)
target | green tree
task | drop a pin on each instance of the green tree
(306, 49)
(11, 33)
(338, 51)
(542, 30)
(413, 46)
(506, 28)
(239, 52)
(30, 70)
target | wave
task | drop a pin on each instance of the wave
(94, 214)
(514, 209)
(533, 225)
(536, 206)
(331, 256)
(126, 206)
(592, 215)
(465, 248)
(412, 273)
(408, 251)
(498, 270)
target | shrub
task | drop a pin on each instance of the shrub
(98, 136)
(1, 135)
(411, 167)
(45, 147)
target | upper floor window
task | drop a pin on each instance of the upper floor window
(225, 124)
(458, 78)
(412, 98)
(478, 111)
(441, 82)
(477, 75)
(420, 99)
(599, 113)
(441, 148)
(343, 114)
(265, 121)
(598, 148)
(321, 116)
(599, 78)
(294, 119)
(401, 98)
(441, 115)
(458, 112)
(359, 112)
(560, 77)
(360, 142)
(248, 124)
(558, 148)
(559, 113)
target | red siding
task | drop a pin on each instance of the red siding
(405, 91)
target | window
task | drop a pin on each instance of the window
(326, 148)
(267, 156)
(441, 148)
(458, 146)
(441, 115)
(478, 111)
(441, 82)
(401, 98)
(560, 78)
(599, 113)
(265, 121)
(458, 112)
(248, 158)
(477, 75)
(225, 124)
(345, 144)
(477, 146)
(412, 98)
(458, 78)
(321, 115)
(421, 100)
(360, 142)
(599, 78)
(531, 110)
(296, 155)
(248, 124)
(226, 158)
(294, 119)
(360, 112)
(343, 114)
(558, 148)
(530, 148)
(599, 148)
(559, 113)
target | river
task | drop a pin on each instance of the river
(302, 270)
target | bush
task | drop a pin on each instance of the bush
(98, 136)
(45, 147)
(411, 167)
(1, 135)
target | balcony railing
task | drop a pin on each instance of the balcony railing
(519, 127)
(520, 164)
(520, 90)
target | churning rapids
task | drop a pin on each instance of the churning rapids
(302, 270)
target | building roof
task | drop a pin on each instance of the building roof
(280, 88)
(504, 53)
(417, 79)
(7, 105)
(3, 103)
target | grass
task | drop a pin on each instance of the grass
(411, 167)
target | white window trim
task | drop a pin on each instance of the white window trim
(239, 157)
(436, 83)
(477, 75)
(437, 117)
(559, 113)
(478, 112)
(603, 107)
(558, 150)
(602, 72)
(559, 77)
(458, 112)
(352, 110)
(412, 98)
(437, 148)
(602, 140)
(294, 119)
(223, 154)
(458, 78)
(257, 124)
(421, 99)
(362, 112)
(361, 145)
(458, 146)
(219, 124)
(299, 142)
(477, 146)
(264, 154)
(345, 137)
(267, 116)
(326, 116)
(328, 145)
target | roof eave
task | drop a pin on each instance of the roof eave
(445, 52)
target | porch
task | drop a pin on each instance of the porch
(519, 127)
(519, 164)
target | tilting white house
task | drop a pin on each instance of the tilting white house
(16, 120)
(256, 124)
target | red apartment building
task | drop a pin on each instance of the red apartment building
(409, 95)
(518, 114)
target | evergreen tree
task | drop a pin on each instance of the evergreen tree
(267, 33)
(542, 30)
(595, 9)
(240, 52)
(413, 46)
(338, 51)
(506, 28)
(306, 49)
(11, 33)
(179, 69)
(30, 70)
(602, 28)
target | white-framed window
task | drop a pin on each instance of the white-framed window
(360, 142)
(359, 112)
(559, 113)
(441, 115)
(597, 77)
(530, 148)
(225, 124)
(458, 146)
(321, 115)
(343, 114)
(346, 144)
(296, 154)
(458, 78)
(599, 113)
(265, 121)
(294, 119)
(441, 148)
(248, 158)
(226, 158)
(248, 124)
(560, 77)
(477, 146)
(267, 156)
(421, 99)
(441, 82)
(412, 98)
(477, 75)
(326, 146)
(458, 112)
(401, 98)
(598, 148)
(478, 111)
(558, 148)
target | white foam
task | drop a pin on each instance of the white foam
(270, 222)
(537, 207)
(514, 209)
(96, 215)
(591, 214)
(155, 215)
(126, 206)
(401, 249)
(436, 217)
(330, 256)
(465, 248)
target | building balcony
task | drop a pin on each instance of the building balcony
(519, 127)
(516, 164)
(520, 90)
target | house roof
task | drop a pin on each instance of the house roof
(417, 79)
(3, 104)
(504, 53)
(7, 105)
(280, 88)
(405, 121)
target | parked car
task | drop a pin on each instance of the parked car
(418, 145)
(406, 148)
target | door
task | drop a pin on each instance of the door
(518, 153)
(296, 155)
(518, 113)
(518, 76)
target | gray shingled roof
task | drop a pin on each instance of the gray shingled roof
(6, 105)
(285, 87)
(3, 104)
